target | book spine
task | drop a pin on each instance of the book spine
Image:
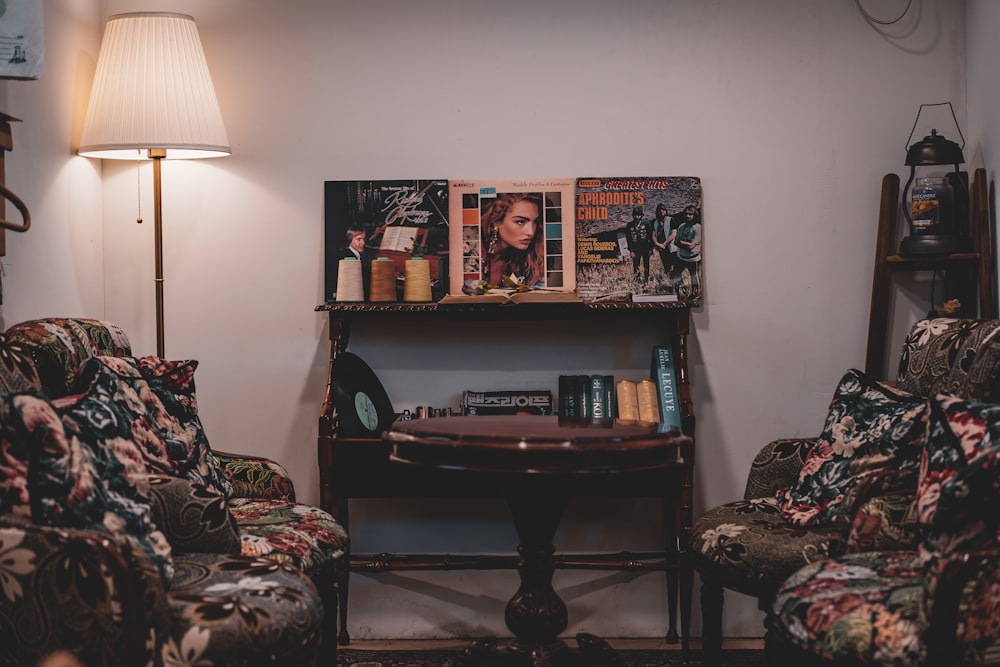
(582, 391)
(664, 376)
(610, 404)
(628, 400)
(649, 411)
(598, 405)
(567, 396)
(529, 401)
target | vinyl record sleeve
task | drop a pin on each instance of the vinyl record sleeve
(549, 260)
(363, 407)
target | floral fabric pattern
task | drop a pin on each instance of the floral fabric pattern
(952, 356)
(755, 544)
(869, 428)
(959, 477)
(85, 471)
(93, 581)
(256, 477)
(292, 533)
(231, 610)
(166, 425)
(867, 607)
(59, 348)
(17, 370)
(193, 516)
(14, 456)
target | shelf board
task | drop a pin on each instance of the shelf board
(497, 309)
(900, 263)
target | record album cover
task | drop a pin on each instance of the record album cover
(400, 219)
(639, 238)
(506, 233)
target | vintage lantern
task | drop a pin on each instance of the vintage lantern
(930, 208)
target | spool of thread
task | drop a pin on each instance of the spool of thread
(350, 285)
(418, 280)
(383, 281)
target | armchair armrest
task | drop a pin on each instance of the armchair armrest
(85, 591)
(776, 466)
(962, 607)
(255, 476)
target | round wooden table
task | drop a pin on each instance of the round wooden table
(536, 452)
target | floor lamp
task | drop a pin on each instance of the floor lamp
(153, 99)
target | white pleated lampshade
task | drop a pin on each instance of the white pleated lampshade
(153, 90)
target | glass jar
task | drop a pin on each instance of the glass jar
(931, 206)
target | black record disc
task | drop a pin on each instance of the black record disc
(363, 407)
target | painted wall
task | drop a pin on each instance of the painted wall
(789, 110)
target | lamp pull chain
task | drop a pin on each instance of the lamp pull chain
(138, 191)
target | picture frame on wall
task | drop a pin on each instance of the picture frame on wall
(22, 39)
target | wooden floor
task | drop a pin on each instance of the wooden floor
(624, 644)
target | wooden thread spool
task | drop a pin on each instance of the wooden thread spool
(350, 285)
(418, 280)
(383, 280)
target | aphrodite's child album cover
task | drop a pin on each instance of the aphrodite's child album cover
(639, 239)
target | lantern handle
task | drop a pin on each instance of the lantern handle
(936, 104)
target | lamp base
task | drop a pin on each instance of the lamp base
(934, 244)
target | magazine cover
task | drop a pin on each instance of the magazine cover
(398, 219)
(512, 233)
(639, 238)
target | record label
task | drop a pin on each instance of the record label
(363, 408)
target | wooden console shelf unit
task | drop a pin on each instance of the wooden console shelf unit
(353, 468)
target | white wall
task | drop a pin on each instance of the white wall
(789, 110)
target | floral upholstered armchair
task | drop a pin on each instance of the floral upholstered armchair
(851, 490)
(935, 604)
(127, 540)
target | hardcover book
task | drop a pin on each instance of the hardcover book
(639, 238)
(511, 234)
(628, 400)
(664, 376)
(400, 219)
(598, 398)
(507, 402)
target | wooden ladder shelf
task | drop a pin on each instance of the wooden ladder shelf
(968, 276)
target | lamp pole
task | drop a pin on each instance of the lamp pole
(157, 155)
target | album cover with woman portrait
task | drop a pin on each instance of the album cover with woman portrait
(515, 234)
(639, 239)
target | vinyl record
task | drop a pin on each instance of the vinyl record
(363, 407)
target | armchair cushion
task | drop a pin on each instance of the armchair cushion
(960, 477)
(85, 471)
(952, 356)
(17, 371)
(14, 457)
(166, 425)
(59, 348)
(288, 532)
(870, 427)
(193, 516)
(749, 544)
(864, 608)
(255, 477)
